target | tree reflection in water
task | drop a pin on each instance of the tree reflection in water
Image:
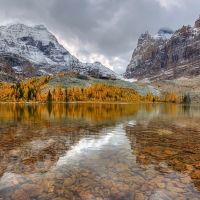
(105, 151)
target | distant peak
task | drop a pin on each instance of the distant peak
(166, 30)
(40, 27)
(97, 62)
(17, 26)
(164, 34)
(22, 26)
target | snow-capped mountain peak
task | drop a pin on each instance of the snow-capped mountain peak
(163, 33)
(41, 48)
(40, 27)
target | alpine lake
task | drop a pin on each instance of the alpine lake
(141, 151)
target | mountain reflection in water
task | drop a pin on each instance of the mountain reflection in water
(103, 151)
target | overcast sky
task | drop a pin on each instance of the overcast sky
(101, 30)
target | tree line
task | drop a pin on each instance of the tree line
(37, 90)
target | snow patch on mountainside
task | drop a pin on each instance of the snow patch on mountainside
(131, 80)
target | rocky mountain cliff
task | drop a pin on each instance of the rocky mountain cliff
(31, 51)
(166, 55)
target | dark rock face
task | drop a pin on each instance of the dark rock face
(4, 77)
(24, 67)
(7, 74)
(157, 58)
(5, 67)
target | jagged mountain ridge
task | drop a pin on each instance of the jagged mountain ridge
(35, 51)
(166, 55)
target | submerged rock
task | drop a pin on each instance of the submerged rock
(20, 195)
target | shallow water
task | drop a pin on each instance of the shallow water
(100, 151)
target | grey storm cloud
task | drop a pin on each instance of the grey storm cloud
(105, 30)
